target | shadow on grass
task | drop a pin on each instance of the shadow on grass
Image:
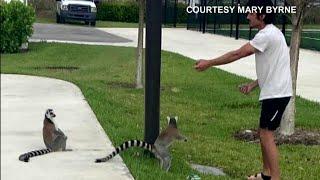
(57, 68)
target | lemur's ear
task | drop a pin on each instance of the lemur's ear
(168, 118)
(176, 118)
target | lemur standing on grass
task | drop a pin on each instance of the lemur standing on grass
(53, 138)
(159, 148)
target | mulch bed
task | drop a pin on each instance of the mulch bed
(300, 136)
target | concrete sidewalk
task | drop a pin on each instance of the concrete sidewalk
(197, 45)
(24, 100)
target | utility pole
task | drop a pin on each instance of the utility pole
(238, 21)
(152, 67)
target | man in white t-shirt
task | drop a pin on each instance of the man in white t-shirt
(273, 78)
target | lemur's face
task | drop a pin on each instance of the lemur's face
(50, 114)
(172, 121)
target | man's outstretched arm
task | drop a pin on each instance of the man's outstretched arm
(244, 51)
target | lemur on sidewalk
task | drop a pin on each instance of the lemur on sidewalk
(53, 137)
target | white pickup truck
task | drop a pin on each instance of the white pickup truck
(83, 10)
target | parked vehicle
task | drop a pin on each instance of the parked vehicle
(83, 10)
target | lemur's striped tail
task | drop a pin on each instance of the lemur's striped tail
(124, 146)
(26, 156)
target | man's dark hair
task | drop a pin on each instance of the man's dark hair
(269, 17)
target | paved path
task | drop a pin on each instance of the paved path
(24, 100)
(197, 45)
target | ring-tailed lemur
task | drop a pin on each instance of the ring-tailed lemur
(159, 148)
(53, 138)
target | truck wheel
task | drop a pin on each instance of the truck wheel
(57, 18)
(93, 23)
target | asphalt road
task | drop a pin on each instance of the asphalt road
(61, 32)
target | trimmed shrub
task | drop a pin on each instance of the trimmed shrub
(122, 12)
(182, 15)
(129, 12)
(15, 25)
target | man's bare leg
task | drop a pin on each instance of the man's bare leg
(270, 152)
(266, 168)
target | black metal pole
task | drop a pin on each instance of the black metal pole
(204, 18)
(275, 15)
(188, 20)
(215, 19)
(165, 12)
(199, 22)
(152, 66)
(200, 17)
(175, 11)
(231, 21)
(284, 20)
(237, 22)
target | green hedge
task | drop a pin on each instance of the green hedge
(15, 25)
(182, 15)
(122, 12)
(129, 12)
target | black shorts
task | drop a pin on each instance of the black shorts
(272, 111)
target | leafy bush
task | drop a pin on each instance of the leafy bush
(129, 12)
(182, 15)
(15, 25)
(118, 11)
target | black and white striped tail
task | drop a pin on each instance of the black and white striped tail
(25, 157)
(124, 146)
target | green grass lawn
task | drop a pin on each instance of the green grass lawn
(208, 104)
(109, 24)
(45, 20)
(310, 26)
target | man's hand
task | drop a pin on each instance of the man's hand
(246, 88)
(202, 65)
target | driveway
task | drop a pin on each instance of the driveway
(60, 32)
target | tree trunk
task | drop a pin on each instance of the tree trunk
(288, 119)
(139, 72)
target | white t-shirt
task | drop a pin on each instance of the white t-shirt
(272, 63)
